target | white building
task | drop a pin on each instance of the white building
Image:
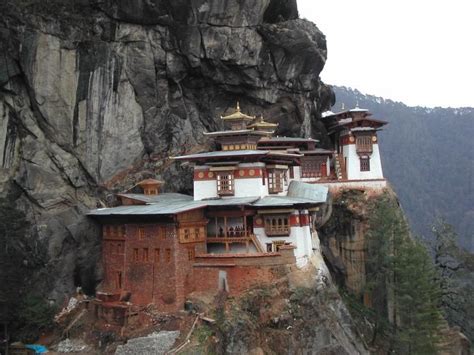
(256, 200)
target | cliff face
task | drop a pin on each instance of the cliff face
(96, 94)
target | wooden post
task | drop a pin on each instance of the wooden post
(217, 230)
(245, 226)
(226, 235)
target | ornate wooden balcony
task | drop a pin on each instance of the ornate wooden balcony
(247, 240)
(277, 231)
(224, 240)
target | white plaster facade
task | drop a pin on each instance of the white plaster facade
(300, 237)
(243, 186)
(352, 160)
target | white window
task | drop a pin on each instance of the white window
(225, 183)
(276, 180)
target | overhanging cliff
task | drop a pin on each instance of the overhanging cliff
(96, 94)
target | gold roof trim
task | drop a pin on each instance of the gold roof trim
(261, 123)
(237, 115)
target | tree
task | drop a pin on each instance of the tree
(402, 281)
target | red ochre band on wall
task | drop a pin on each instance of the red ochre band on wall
(304, 220)
(242, 173)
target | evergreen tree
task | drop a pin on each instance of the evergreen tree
(417, 299)
(402, 281)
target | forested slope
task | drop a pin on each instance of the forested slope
(428, 156)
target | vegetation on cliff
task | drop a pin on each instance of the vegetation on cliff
(402, 280)
(22, 311)
(427, 154)
(456, 267)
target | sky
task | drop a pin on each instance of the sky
(419, 52)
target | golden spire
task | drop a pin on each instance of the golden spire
(260, 123)
(343, 107)
(237, 115)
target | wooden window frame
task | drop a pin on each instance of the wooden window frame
(157, 256)
(277, 225)
(146, 255)
(364, 144)
(311, 166)
(168, 255)
(136, 255)
(225, 181)
(276, 180)
(364, 164)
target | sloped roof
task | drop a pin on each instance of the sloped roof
(163, 204)
(314, 192)
(157, 198)
(299, 193)
(222, 154)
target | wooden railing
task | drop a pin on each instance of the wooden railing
(247, 240)
(277, 230)
(340, 167)
(224, 240)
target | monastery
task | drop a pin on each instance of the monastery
(258, 202)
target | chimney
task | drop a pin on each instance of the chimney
(150, 186)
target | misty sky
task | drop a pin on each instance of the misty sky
(419, 52)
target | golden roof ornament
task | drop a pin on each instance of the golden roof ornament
(237, 115)
(261, 123)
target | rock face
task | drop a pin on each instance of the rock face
(96, 94)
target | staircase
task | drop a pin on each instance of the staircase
(257, 244)
(340, 167)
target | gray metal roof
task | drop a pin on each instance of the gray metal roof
(222, 154)
(289, 139)
(158, 198)
(315, 192)
(163, 204)
(172, 203)
(231, 201)
(276, 201)
(317, 151)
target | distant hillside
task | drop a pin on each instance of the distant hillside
(428, 156)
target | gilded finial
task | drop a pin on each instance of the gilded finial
(357, 104)
(238, 107)
(343, 107)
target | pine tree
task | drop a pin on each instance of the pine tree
(402, 281)
(417, 300)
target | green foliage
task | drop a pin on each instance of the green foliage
(26, 314)
(417, 299)
(203, 333)
(402, 281)
(426, 155)
(34, 315)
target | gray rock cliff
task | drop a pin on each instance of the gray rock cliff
(97, 94)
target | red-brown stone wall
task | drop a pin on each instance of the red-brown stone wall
(239, 278)
(241, 272)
